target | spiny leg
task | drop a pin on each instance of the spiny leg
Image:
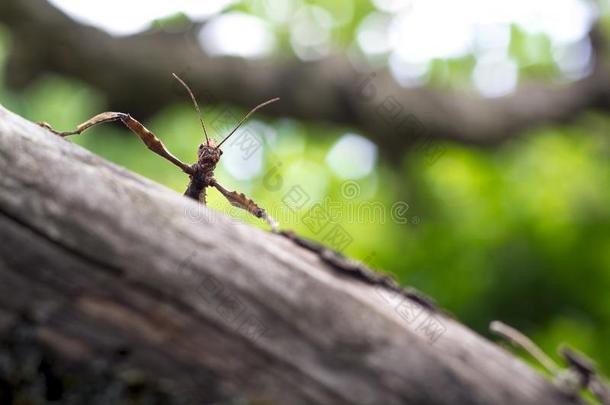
(241, 201)
(150, 140)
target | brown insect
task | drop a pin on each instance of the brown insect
(201, 173)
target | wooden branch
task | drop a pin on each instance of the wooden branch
(134, 74)
(101, 266)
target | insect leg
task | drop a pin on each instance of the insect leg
(98, 119)
(150, 140)
(241, 201)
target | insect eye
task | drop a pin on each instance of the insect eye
(200, 146)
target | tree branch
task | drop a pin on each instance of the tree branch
(102, 266)
(134, 73)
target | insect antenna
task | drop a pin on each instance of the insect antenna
(273, 100)
(205, 133)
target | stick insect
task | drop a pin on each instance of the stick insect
(201, 173)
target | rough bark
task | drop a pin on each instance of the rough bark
(105, 277)
(134, 74)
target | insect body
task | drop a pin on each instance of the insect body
(201, 173)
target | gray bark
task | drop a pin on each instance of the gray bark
(101, 266)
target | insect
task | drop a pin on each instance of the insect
(201, 173)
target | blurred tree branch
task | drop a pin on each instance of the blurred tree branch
(134, 74)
